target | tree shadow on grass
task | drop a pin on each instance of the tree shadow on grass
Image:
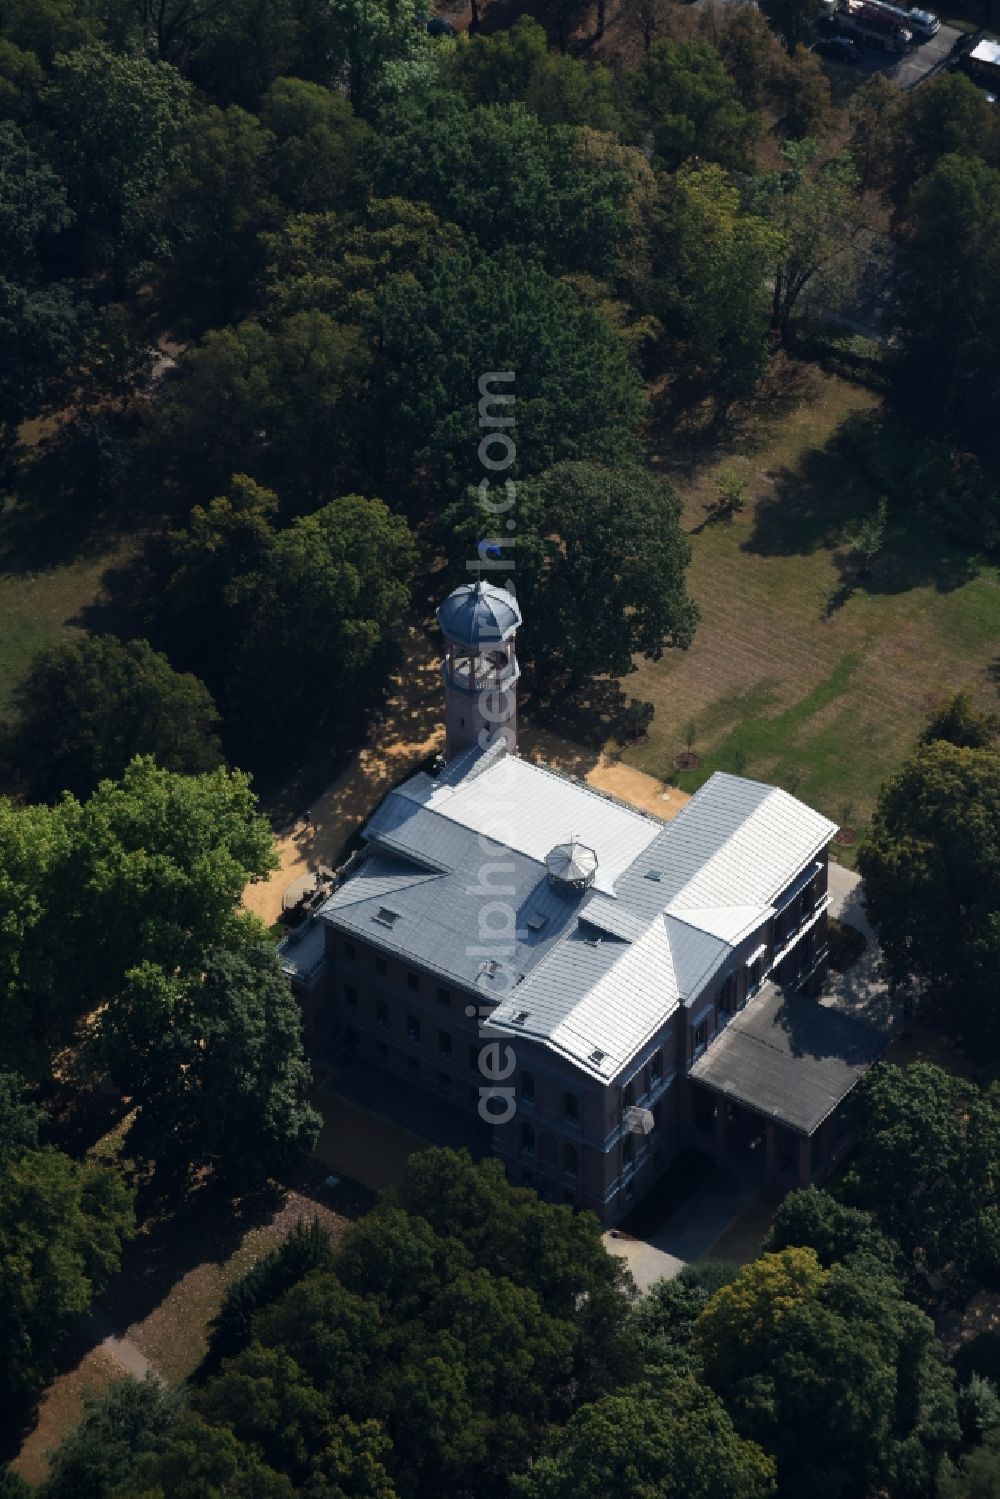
(820, 504)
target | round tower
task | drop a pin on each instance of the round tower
(480, 670)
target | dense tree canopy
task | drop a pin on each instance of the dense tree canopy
(90, 706)
(39, 318)
(927, 1168)
(932, 882)
(171, 1043)
(672, 1439)
(585, 532)
(576, 394)
(62, 1226)
(947, 304)
(148, 870)
(831, 1371)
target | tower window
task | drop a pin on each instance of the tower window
(412, 1028)
(381, 967)
(412, 982)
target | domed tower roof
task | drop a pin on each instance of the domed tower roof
(571, 865)
(479, 615)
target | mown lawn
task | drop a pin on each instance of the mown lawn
(803, 672)
(48, 575)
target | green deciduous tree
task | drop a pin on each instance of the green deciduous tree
(318, 141)
(932, 883)
(831, 1371)
(947, 305)
(673, 1438)
(304, 613)
(216, 201)
(119, 1424)
(815, 207)
(793, 20)
(813, 1219)
(149, 869)
(567, 212)
(215, 1063)
(516, 65)
(62, 1226)
(336, 264)
(577, 395)
(663, 1319)
(282, 405)
(926, 1167)
(950, 116)
(803, 94)
(873, 114)
(683, 95)
(39, 323)
(587, 532)
(752, 57)
(710, 264)
(19, 1119)
(90, 706)
(114, 122)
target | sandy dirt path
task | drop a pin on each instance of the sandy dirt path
(411, 731)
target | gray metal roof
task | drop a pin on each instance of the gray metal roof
(600, 969)
(479, 615)
(789, 1058)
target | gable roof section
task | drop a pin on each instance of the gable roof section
(531, 809)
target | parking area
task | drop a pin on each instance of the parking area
(916, 64)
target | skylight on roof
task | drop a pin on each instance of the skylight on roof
(385, 917)
(654, 874)
(597, 1056)
(536, 922)
(521, 1017)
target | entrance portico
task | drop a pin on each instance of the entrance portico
(772, 1088)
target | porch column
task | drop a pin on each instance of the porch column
(721, 1131)
(805, 1160)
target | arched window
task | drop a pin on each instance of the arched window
(570, 1160)
(527, 1139)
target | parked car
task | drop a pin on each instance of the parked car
(837, 48)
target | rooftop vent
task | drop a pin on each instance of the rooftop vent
(654, 874)
(521, 1017)
(571, 866)
(385, 917)
(597, 1056)
(535, 923)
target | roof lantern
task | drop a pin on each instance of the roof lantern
(571, 866)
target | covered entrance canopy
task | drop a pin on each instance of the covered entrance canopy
(792, 1061)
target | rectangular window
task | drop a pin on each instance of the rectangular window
(412, 1028)
(655, 1068)
(444, 1081)
(444, 996)
(727, 995)
(350, 997)
(412, 982)
(350, 951)
(700, 1037)
(412, 1066)
(381, 967)
(382, 1014)
(474, 1058)
(382, 1049)
(571, 1108)
(444, 1044)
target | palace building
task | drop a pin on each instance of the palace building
(598, 986)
